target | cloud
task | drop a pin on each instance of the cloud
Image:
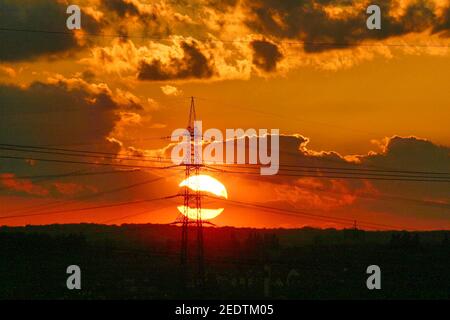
(70, 188)
(193, 64)
(340, 24)
(8, 72)
(66, 113)
(410, 153)
(121, 7)
(11, 182)
(326, 182)
(176, 59)
(413, 201)
(171, 90)
(63, 110)
(31, 15)
(154, 18)
(238, 39)
(266, 55)
(315, 22)
(443, 23)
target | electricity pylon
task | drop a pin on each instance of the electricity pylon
(192, 199)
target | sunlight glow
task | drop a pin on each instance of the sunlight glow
(204, 183)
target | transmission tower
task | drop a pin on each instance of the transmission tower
(192, 199)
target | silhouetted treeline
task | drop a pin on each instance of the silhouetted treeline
(142, 261)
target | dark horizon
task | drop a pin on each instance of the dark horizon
(143, 262)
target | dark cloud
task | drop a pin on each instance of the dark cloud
(193, 65)
(308, 21)
(299, 184)
(221, 4)
(265, 55)
(68, 113)
(121, 14)
(121, 7)
(88, 75)
(44, 15)
(49, 114)
(444, 23)
(127, 8)
(399, 154)
(411, 153)
(54, 114)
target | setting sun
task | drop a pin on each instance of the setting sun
(207, 184)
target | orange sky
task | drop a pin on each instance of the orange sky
(379, 99)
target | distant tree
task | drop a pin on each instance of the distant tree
(445, 241)
(405, 239)
(415, 241)
(395, 240)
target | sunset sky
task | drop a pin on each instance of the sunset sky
(341, 95)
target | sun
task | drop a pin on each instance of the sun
(206, 184)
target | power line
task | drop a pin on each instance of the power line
(334, 175)
(382, 197)
(313, 216)
(287, 42)
(134, 214)
(64, 149)
(89, 196)
(340, 168)
(84, 155)
(271, 208)
(75, 152)
(104, 142)
(211, 169)
(339, 220)
(64, 175)
(311, 169)
(87, 208)
(314, 171)
(44, 178)
(308, 169)
(90, 163)
(87, 153)
(290, 118)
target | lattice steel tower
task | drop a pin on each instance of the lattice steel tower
(192, 199)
